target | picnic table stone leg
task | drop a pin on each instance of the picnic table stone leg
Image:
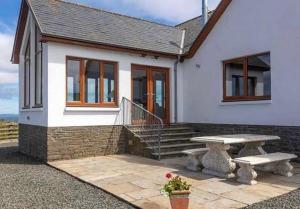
(246, 174)
(284, 168)
(193, 163)
(251, 149)
(217, 161)
(255, 148)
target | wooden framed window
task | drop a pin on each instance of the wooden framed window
(27, 76)
(38, 71)
(91, 83)
(247, 78)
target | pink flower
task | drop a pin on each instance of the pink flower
(168, 175)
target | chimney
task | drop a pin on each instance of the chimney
(204, 12)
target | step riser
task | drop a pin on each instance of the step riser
(172, 156)
(171, 131)
(172, 136)
(173, 143)
(179, 136)
(175, 138)
(178, 148)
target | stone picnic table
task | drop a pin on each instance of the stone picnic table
(218, 162)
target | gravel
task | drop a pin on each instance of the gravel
(287, 201)
(26, 183)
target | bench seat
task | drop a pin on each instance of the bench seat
(280, 165)
(194, 161)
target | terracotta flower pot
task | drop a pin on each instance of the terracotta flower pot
(180, 200)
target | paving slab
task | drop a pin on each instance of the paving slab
(27, 183)
(138, 180)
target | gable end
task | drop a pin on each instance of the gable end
(208, 28)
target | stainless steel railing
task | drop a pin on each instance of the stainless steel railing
(141, 123)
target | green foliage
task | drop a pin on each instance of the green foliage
(175, 184)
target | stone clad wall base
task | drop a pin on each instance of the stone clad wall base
(290, 135)
(33, 141)
(62, 143)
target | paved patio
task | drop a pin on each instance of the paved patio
(139, 180)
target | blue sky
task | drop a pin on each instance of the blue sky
(169, 12)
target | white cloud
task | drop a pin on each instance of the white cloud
(8, 78)
(5, 28)
(8, 71)
(171, 11)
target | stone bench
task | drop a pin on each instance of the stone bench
(194, 161)
(280, 163)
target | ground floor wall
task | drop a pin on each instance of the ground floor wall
(33, 141)
(61, 143)
(290, 135)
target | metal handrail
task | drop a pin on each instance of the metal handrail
(137, 120)
(155, 116)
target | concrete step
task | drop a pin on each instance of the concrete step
(165, 130)
(174, 135)
(171, 141)
(181, 146)
(171, 154)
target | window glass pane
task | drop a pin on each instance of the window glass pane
(38, 79)
(27, 76)
(251, 86)
(259, 70)
(109, 83)
(38, 69)
(92, 76)
(234, 78)
(73, 80)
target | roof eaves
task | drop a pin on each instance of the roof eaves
(20, 29)
(66, 40)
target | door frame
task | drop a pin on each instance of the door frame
(149, 69)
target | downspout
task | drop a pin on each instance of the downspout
(175, 77)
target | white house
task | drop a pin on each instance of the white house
(237, 72)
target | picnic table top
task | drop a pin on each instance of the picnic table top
(235, 138)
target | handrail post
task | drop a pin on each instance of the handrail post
(123, 109)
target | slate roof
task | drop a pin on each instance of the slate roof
(193, 27)
(68, 20)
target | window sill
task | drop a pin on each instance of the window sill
(32, 110)
(224, 103)
(92, 109)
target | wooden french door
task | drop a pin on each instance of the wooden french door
(150, 90)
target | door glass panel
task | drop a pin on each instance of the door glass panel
(92, 76)
(139, 79)
(159, 94)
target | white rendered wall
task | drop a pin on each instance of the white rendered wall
(33, 116)
(59, 115)
(247, 27)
